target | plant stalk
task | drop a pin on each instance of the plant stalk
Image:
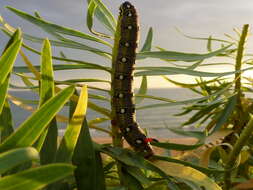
(239, 57)
(238, 65)
(245, 135)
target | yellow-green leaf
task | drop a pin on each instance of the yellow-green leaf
(187, 173)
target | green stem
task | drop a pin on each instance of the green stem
(245, 135)
(117, 140)
(238, 64)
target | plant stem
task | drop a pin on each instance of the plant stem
(239, 56)
(246, 133)
(238, 66)
(116, 135)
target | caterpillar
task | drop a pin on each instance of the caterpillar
(123, 60)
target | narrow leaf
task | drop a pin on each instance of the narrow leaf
(70, 137)
(7, 60)
(95, 9)
(6, 125)
(67, 43)
(142, 90)
(178, 56)
(209, 44)
(226, 113)
(174, 146)
(190, 101)
(23, 69)
(49, 137)
(5, 82)
(153, 71)
(14, 157)
(84, 158)
(31, 129)
(3, 93)
(47, 78)
(50, 26)
(188, 173)
(106, 13)
(36, 178)
(130, 181)
(148, 42)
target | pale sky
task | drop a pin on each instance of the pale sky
(193, 17)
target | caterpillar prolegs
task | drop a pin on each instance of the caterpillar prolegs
(124, 54)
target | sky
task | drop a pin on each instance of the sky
(193, 17)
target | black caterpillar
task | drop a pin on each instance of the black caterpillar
(124, 54)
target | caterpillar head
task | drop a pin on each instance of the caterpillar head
(127, 9)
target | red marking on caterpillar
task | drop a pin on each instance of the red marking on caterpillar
(150, 140)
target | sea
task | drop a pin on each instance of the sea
(155, 121)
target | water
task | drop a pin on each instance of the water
(154, 120)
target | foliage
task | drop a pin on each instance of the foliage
(31, 159)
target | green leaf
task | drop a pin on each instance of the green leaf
(180, 56)
(30, 130)
(90, 13)
(47, 76)
(5, 83)
(129, 158)
(154, 98)
(14, 37)
(100, 177)
(6, 126)
(159, 185)
(7, 60)
(98, 97)
(205, 39)
(98, 120)
(196, 134)
(185, 85)
(64, 42)
(15, 157)
(187, 173)
(49, 137)
(190, 101)
(131, 181)
(116, 188)
(226, 113)
(204, 170)
(201, 113)
(99, 109)
(73, 104)
(89, 173)
(138, 175)
(105, 16)
(173, 146)
(70, 138)
(153, 71)
(142, 90)
(106, 12)
(56, 28)
(36, 178)
(209, 44)
(148, 42)
(28, 83)
(3, 93)
(94, 8)
(24, 69)
(67, 43)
